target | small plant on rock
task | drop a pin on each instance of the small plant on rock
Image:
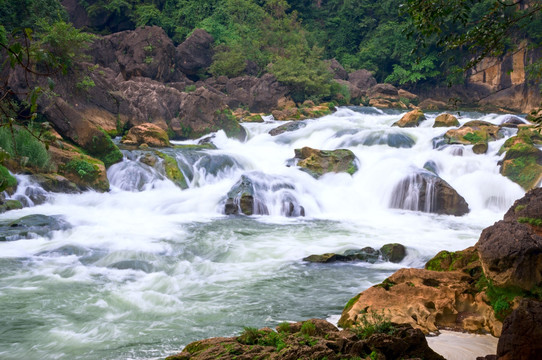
(373, 323)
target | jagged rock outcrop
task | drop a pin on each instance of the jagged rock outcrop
(259, 94)
(195, 53)
(319, 162)
(312, 339)
(425, 191)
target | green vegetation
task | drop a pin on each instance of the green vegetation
(450, 261)
(501, 298)
(6, 180)
(172, 171)
(24, 146)
(86, 170)
(253, 336)
(473, 138)
(373, 323)
(530, 221)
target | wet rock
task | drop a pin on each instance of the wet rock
(326, 258)
(367, 254)
(395, 140)
(523, 160)
(446, 120)
(7, 205)
(56, 183)
(511, 249)
(431, 166)
(132, 265)
(512, 121)
(241, 199)
(31, 226)
(475, 132)
(195, 53)
(394, 253)
(424, 191)
(290, 126)
(362, 79)
(521, 333)
(149, 134)
(410, 119)
(171, 170)
(312, 339)
(319, 162)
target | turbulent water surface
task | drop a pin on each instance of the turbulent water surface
(148, 267)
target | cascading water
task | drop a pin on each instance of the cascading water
(146, 268)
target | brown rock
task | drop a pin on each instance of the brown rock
(521, 333)
(446, 120)
(355, 92)
(337, 69)
(411, 119)
(319, 162)
(149, 134)
(407, 95)
(195, 53)
(431, 104)
(362, 79)
(386, 91)
(510, 250)
(427, 300)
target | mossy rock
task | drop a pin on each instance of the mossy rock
(86, 172)
(326, 258)
(523, 165)
(446, 120)
(205, 146)
(7, 181)
(10, 205)
(466, 260)
(103, 148)
(172, 171)
(319, 162)
(394, 253)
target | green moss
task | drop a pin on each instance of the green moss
(172, 170)
(7, 181)
(450, 261)
(501, 298)
(521, 165)
(519, 208)
(84, 169)
(196, 347)
(308, 328)
(103, 148)
(387, 284)
(530, 221)
(351, 303)
(206, 146)
(474, 138)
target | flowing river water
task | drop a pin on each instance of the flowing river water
(146, 268)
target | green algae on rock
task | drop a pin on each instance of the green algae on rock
(319, 162)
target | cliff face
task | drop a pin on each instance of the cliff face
(503, 82)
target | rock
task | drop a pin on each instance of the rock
(56, 183)
(144, 52)
(521, 333)
(326, 258)
(394, 253)
(392, 139)
(290, 126)
(31, 226)
(426, 300)
(407, 95)
(337, 69)
(424, 191)
(8, 205)
(512, 121)
(431, 104)
(385, 91)
(171, 170)
(522, 163)
(446, 120)
(431, 166)
(265, 94)
(367, 254)
(204, 111)
(362, 79)
(511, 249)
(319, 162)
(355, 93)
(195, 53)
(7, 181)
(475, 133)
(241, 199)
(410, 119)
(149, 134)
(313, 339)
(139, 265)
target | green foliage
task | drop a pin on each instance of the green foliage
(417, 70)
(530, 221)
(228, 62)
(6, 180)
(189, 88)
(21, 144)
(253, 336)
(501, 298)
(86, 170)
(373, 323)
(474, 138)
(86, 83)
(308, 328)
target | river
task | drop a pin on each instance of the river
(146, 268)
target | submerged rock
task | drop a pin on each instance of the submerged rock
(132, 265)
(319, 162)
(390, 252)
(425, 191)
(394, 253)
(290, 126)
(31, 226)
(392, 139)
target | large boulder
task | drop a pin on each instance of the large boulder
(425, 191)
(30, 226)
(149, 134)
(203, 111)
(384, 91)
(258, 94)
(523, 160)
(195, 53)
(337, 69)
(319, 162)
(363, 79)
(144, 52)
(476, 132)
(410, 119)
(521, 333)
(511, 249)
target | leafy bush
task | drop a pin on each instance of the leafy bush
(373, 323)
(25, 147)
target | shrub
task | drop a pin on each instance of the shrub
(25, 147)
(373, 323)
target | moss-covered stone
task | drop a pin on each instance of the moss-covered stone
(206, 146)
(7, 181)
(411, 119)
(10, 205)
(319, 162)
(103, 148)
(464, 260)
(86, 172)
(522, 164)
(394, 253)
(172, 171)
